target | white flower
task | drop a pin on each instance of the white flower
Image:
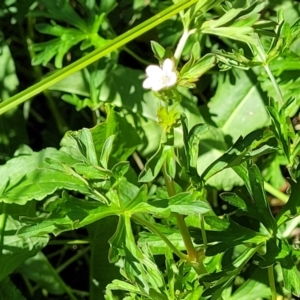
(159, 78)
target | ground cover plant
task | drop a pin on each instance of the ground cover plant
(149, 149)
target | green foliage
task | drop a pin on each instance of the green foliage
(149, 194)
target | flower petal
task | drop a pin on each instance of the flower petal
(172, 79)
(157, 85)
(168, 66)
(147, 84)
(153, 71)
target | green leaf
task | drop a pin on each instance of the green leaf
(25, 182)
(92, 172)
(40, 270)
(58, 48)
(288, 258)
(236, 22)
(218, 281)
(106, 151)
(280, 129)
(291, 209)
(238, 108)
(156, 244)
(255, 186)
(188, 204)
(9, 291)
(62, 11)
(192, 71)
(16, 250)
(233, 156)
(226, 234)
(257, 286)
(68, 213)
(117, 125)
(102, 271)
(155, 163)
(158, 50)
(246, 207)
(12, 126)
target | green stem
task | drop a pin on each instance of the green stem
(275, 85)
(95, 55)
(139, 59)
(68, 242)
(192, 253)
(181, 44)
(203, 232)
(279, 195)
(3, 218)
(161, 235)
(72, 259)
(272, 282)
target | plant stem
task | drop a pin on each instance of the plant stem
(72, 259)
(3, 218)
(161, 235)
(95, 55)
(272, 282)
(279, 195)
(275, 85)
(192, 253)
(181, 44)
(138, 58)
(203, 232)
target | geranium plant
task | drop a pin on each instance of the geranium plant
(163, 168)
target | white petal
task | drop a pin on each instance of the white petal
(168, 66)
(157, 86)
(172, 79)
(147, 84)
(153, 71)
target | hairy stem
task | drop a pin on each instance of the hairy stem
(192, 253)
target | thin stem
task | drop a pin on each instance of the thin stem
(138, 161)
(3, 218)
(95, 55)
(161, 235)
(203, 232)
(138, 58)
(72, 259)
(278, 194)
(272, 282)
(275, 85)
(192, 253)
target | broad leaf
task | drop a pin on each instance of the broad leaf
(226, 234)
(16, 250)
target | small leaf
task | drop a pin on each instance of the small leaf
(106, 151)
(291, 209)
(158, 50)
(233, 156)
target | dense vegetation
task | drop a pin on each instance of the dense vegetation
(149, 149)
